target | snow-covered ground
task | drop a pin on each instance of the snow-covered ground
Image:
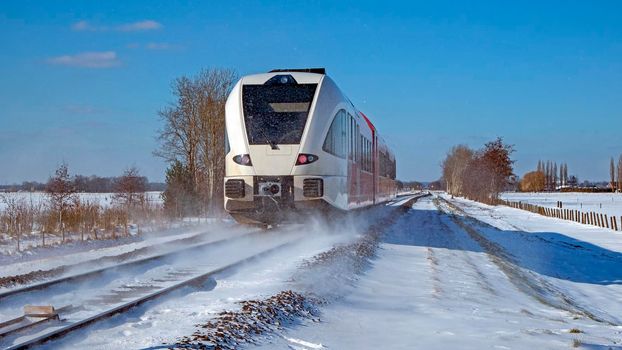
(104, 199)
(80, 252)
(605, 203)
(448, 273)
(515, 281)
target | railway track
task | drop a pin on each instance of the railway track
(97, 272)
(13, 281)
(25, 332)
(62, 328)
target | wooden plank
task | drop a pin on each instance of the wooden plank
(39, 311)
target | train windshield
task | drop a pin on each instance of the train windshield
(276, 114)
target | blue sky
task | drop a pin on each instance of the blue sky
(82, 81)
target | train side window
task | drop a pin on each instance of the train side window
(365, 151)
(334, 143)
(350, 137)
(364, 148)
(344, 134)
(357, 143)
(369, 155)
(361, 157)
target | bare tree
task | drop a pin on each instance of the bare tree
(480, 175)
(214, 86)
(454, 166)
(194, 129)
(620, 173)
(130, 191)
(16, 216)
(612, 175)
(61, 194)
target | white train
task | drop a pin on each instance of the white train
(295, 142)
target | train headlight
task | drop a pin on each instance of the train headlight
(243, 159)
(305, 158)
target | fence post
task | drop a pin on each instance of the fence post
(589, 218)
(597, 220)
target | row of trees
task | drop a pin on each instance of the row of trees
(554, 177)
(81, 183)
(547, 177)
(62, 210)
(616, 174)
(479, 174)
(192, 142)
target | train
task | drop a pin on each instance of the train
(295, 144)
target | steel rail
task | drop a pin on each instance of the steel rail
(93, 273)
(58, 333)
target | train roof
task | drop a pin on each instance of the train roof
(300, 77)
(301, 70)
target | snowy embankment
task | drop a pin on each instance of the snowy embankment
(602, 203)
(459, 274)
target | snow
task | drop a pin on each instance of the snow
(449, 273)
(433, 286)
(72, 254)
(177, 316)
(603, 203)
(104, 199)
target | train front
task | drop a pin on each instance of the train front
(266, 119)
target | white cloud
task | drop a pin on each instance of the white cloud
(160, 46)
(155, 46)
(104, 59)
(139, 26)
(83, 26)
(86, 26)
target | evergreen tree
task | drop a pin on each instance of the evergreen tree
(181, 197)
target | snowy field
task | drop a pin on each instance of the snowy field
(604, 203)
(104, 199)
(448, 273)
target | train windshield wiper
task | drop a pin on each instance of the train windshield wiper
(272, 144)
(269, 141)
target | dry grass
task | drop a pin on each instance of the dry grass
(85, 219)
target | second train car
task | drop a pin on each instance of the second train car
(295, 143)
